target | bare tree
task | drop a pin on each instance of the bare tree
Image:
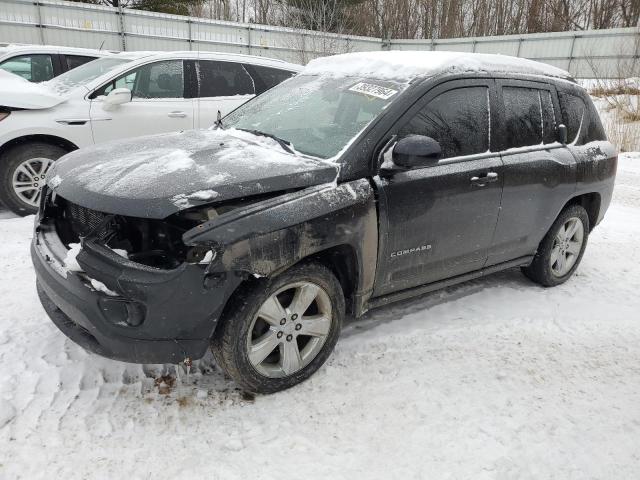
(433, 19)
(621, 97)
(317, 17)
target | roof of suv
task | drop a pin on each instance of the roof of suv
(413, 64)
(16, 48)
(237, 57)
(233, 57)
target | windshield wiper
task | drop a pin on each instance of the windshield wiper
(286, 146)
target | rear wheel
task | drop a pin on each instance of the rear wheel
(561, 250)
(279, 332)
(23, 172)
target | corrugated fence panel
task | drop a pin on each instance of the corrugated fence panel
(220, 35)
(495, 45)
(19, 12)
(454, 45)
(604, 53)
(408, 45)
(19, 34)
(152, 31)
(18, 23)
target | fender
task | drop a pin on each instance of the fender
(77, 136)
(268, 237)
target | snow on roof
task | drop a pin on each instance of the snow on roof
(411, 64)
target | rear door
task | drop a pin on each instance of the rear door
(223, 87)
(539, 172)
(158, 104)
(440, 219)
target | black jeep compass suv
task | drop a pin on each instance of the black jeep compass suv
(368, 178)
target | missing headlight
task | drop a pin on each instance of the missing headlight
(200, 254)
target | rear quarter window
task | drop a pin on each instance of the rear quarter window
(266, 77)
(573, 109)
(74, 61)
(581, 119)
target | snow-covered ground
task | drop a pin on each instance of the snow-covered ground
(497, 378)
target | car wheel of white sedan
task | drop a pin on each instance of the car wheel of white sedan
(23, 172)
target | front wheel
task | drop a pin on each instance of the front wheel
(561, 250)
(279, 332)
(23, 172)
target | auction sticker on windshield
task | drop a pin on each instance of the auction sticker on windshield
(373, 90)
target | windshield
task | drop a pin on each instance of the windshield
(318, 115)
(85, 73)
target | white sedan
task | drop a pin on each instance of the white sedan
(118, 96)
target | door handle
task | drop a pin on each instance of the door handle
(176, 114)
(482, 181)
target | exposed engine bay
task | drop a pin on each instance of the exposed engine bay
(151, 242)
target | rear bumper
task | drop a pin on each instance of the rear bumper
(159, 316)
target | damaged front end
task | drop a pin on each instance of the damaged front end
(156, 305)
(150, 242)
(149, 290)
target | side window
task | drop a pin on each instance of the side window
(125, 81)
(266, 78)
(523, 116)
(594, 130)
(155, 80)
(458, 119)
(580, 119)
(224, 79)
(35, 68)
(74, 61)
(573, 109)
(159, 80)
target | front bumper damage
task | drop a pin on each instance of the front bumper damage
(158, 315)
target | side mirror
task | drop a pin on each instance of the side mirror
(416, 151)
(116, 97)
(562, 134)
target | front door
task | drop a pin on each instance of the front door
(158, 103)
(439, 220)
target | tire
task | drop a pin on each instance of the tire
(42, 155)
(546, 270)
(243, 324)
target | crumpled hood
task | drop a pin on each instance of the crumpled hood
(17, 92)
(158, 175)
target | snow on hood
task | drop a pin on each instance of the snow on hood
(17, 92)
(158, 175)
(411, 64)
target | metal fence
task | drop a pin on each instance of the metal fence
(605, 53)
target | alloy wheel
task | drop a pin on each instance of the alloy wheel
(289, 329)
(567, 246)
(29, 178)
